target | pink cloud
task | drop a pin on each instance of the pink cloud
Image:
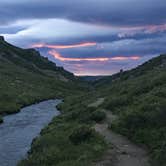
(58, 56)
(85, 44)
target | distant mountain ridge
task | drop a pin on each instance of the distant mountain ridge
(91, 78)
(156, 63)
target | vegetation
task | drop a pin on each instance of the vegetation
(98, 116)
(69, 139)
(81, 134)
(139, 98)
(26, 77)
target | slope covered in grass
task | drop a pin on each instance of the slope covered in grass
(69, 140)
(139, 98)
(26, 77)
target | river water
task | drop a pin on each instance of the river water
(18, 130)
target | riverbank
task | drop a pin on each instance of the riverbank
(69, 140)
(22, 105)
(18, 130)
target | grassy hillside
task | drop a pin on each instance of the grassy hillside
(69, 140)
(26, 77)
(91, 78)
(139, 98)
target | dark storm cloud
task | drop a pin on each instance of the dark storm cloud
(118, 27)
(126, 47)
(11, 29)
(107, 38)
(102, 12)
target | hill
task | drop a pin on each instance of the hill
(155, 63)
(26, 77)
(138, 97)
(91, 78)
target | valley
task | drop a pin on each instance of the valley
(78, 137)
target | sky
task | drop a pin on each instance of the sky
(90, 37)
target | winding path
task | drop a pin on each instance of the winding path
(123, 152)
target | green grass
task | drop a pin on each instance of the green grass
(21, 87)
(139, 98)
(26, 78)
(69, 139)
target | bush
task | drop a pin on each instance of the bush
(81, 134)
(116, 102)
(98, 116)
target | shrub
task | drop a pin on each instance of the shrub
(81, 134)
(116, 102)
(98, 116)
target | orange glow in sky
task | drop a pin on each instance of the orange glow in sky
(125, 58)
(58, 56)
(86, 44)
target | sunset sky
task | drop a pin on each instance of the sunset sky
(90, 37)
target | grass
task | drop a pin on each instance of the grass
(26, 78)
(139, 98)
(20, 88)
(69, 140)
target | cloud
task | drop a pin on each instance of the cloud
(86, 44)
(112, 12)
(64, 32)
(61, 30)
(98, 68)
(58, 56)
(90, 36)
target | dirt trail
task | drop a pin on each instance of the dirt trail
(123, 153)
(97, 103)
